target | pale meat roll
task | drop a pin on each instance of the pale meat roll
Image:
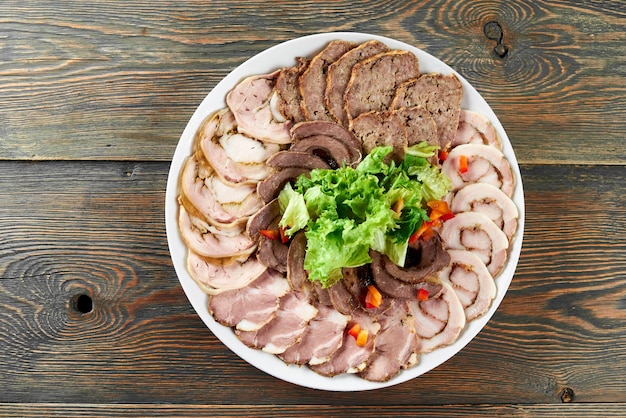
(251, 104)
(217, 201)
(488, 200)
(219, 275)
(475, 128)
(471, 281)
(475, 232)
(235, 157)
(485, 164)
(211, 241)
(438, 321)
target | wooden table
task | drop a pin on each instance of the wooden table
(93, 99)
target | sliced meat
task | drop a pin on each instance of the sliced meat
(475, 128)
(439, 321)
(342, 299)
(285, 329)
(399, 289)
(396, 342)
(312, 82)
(289, 97)
(295, 159)
(441, 95)
(351, 358)
(209, 241)
(475, 232)
(485, 164)
(273, 253)
(249, 101)
(263, 218)
(424, 259)
(296, 274)
(488, 200)
(373, 81)
(338, 76)
(315, 128)
(321, 338)
(235, 157)
(269, 188)
(334, 152)
(419, 125)
(381, 128)
(471, 282)
(251, 307)
(217, 275)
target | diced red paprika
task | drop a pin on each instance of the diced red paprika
(443, 155)
(422, 294)
(373, 298)
(270, 233)
(463, 164)
(284, 238)
(361, 339)
(354, 330)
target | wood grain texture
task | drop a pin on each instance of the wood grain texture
(119, 81)
(96, 228)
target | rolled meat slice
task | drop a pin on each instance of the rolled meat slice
(471, 281)
(251, 307)
(250, 103)
(438, 321)
(488, 200)
(475, 128)
(485, 164)
(217, 275)
(475, 232)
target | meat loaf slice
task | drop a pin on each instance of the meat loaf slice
(288, 91)
(373, 81)
(312, 82)
(384, 128)
(441, 95)
(338, 77)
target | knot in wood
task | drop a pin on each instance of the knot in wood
(493, 30)
(567, 395)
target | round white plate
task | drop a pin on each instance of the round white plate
(283, 55)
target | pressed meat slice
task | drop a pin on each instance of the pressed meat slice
(381, 128)
(351, 358)
(373, 81)
(439, 321)
(441, 95)
(217, 275)
(471, 281)
(475, 232)
(289, 97)
(419, 125)
(251, 307)
(485, 164)
(475, 128)
(339, 73)
(250, 102)
(312, 82)
(396, 342)
(488, 200)
(285, 329)
(321, 338)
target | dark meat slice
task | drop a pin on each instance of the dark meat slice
(356, 280)
(321, 338)
(312, 82)
(285, 329)
(391, 286)
(441, 95)
(263, 218)
(342, 299)
(272, 253)
(269, 188)
(288, 91)
(339, 73)
(250, 307)
(396, 344)
(386, 128)
(373, 81)
(351, 358)
(331, 150)
(314, 128)
(296, 275)
(424, 259)
(286, 159)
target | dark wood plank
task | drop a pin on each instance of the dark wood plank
(96, 228)
(109, 80)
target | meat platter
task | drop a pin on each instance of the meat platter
(213, 115)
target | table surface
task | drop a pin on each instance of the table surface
(93, 99)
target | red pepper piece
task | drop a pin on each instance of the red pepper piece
(422, 294)
(463, 167)
(361, 339)
(354, 330)
(373, 298)
(270, 233)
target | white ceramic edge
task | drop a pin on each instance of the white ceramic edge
(283, 55)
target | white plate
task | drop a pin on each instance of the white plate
(283, 55)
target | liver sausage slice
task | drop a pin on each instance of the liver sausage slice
(373, 82)
(338, 77)
(384, 128)
(312, 82)
(288, 91)
(441, 95)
